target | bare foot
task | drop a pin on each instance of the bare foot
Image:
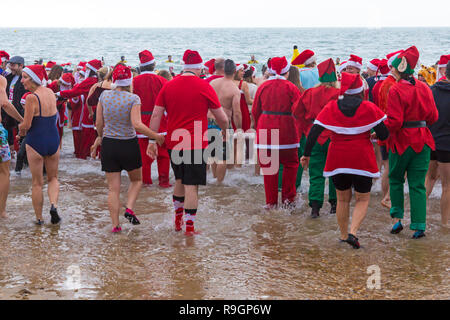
(3, 215)
(386, 203)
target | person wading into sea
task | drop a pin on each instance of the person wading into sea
(187, 99)
(229, 97)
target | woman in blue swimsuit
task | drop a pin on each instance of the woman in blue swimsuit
(42, 140)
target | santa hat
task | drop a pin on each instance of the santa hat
(280, 65)
(342, 66)
(81, 65)
(94, 65)
(383, 67)
(253, 70)
(391, 56)
(37, 73)
(327, 71)
(192, 60)
(67, 79)
(350, 84)
(146, 58)
(374, 64)
(304, 58)
(65, 64)
(211, 66)
(83, 71)
(239, 67)
(24, 98)
(4, 56)
(407, 60)
(442, 64)
(50, 65)
(354, 61)
(122, 76)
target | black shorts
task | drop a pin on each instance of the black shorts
(384, 153)
(345, 181)
(189, 166)
(117, 155)
(440, 156)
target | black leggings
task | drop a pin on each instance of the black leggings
(345, 181)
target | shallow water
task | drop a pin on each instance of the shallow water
(243, 252)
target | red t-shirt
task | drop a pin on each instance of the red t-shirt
(187, 100)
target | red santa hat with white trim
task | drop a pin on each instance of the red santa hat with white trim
(373, 64)
(383, 67)
(269, 67)
(192, 60)
(146, 58)
(37, 73)
(67, 79)
(355, 61)
(240, 67)
(122, 76)
(350, 84)
(94, 65)
(391, 57)
(342, 66)
(280, 65)
(24, 98)
(81, 65)
(4, 56)
(49, 65)
(304, 58)
(444, 59)
(211, 66)
(83, 71)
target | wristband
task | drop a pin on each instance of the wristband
(152, 141)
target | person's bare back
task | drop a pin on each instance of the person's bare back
(229, 97)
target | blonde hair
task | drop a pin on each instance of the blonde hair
(102, 73)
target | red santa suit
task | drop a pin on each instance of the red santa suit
(147, 86)
(89, 134)
(246, 120)
(276, 133)
(61, 106)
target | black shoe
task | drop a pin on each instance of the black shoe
(418, 234)
(315, 212)
(353, 241)
(131, 217)
(39, 222)
(333, 207)
(55, 217)
(397, 228)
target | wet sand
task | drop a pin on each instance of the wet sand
(243, 251)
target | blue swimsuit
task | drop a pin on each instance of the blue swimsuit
(43, 135)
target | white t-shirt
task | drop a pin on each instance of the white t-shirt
(11, 88)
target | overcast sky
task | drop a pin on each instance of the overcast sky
(226, 13)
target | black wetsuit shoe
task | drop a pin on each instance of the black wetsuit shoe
(333, 208)
(418, 234)
(39, 222)
(353, 241)
(315, 212)
(397, 228)
(129, 214)
(55, 217)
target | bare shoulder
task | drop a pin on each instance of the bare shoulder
(2, 82)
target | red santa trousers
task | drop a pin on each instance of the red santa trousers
(77, 142)
(162, 160)
(88, 137)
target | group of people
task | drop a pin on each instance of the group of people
(324, 117)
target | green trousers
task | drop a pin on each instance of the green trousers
(415, 165)
(316, 178)
(298, 181)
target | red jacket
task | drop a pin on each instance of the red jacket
(82, 89)
(351, 150)
(77, 107)
(309, 106)
(276, 95)
(408, 102)
(147, 86)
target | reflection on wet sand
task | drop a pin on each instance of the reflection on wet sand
(243, 252)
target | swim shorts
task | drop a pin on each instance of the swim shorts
(345, 181)
(189, 166)
(5, 154)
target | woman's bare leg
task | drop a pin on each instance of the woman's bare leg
(36, 164)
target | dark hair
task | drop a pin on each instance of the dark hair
(149, 67)
(447, 70)
(264, 69)
(229, 67)
(55, 73)
(248, 74)
(408, 77)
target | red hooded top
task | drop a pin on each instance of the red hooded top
(408, 102)
(276, 96)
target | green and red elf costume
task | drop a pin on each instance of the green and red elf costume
(276, 133)
(411, 108)
(306, 110)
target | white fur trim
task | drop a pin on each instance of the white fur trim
(239, 67)
(372, 67)
(124, 82)
(355, 91)
(286, 69)
(87, 125)
(4, 59)
(351, 171)
(354, 64)
(193, 66)
(91, 67)
(342, 67)
(310, 60)
(391, 59)
(148, 72)
(352, 130)
(148, 63)
(277, 77)
(64, 82)
(33, 75)
(277, 147)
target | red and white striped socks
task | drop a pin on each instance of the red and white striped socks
(178, 204)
